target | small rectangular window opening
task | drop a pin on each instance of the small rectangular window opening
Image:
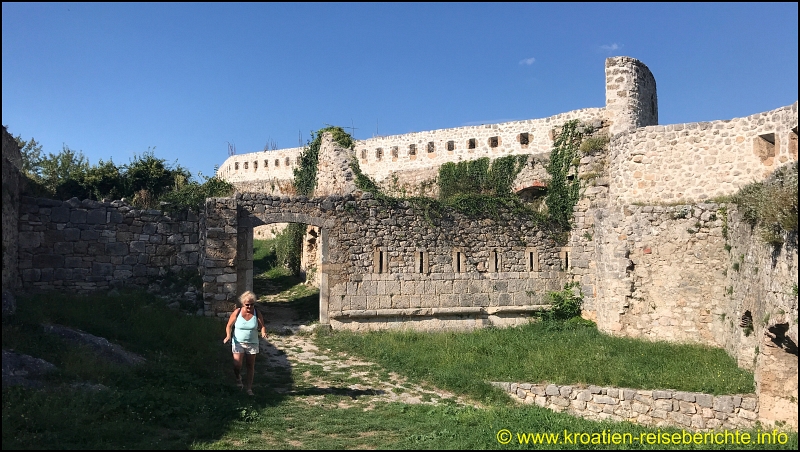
(420, 267)
(451, 146)
(471, 143)
(363, 154)
(379, 154)
(412, 149)
(494, 142)
(494, 261)
(395, 152)
(532, 260)
(524, 139)
(266, 163)
(431, 147)
(255, 165)
(277, 163)
(458, 261)
(380, 261)
(287, 161)
(236, 166)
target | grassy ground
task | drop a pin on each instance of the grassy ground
(535, 353)
(184, 396)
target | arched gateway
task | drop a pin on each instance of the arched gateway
(388, 264)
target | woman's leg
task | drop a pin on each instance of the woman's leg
(237, 367)
(251, 369)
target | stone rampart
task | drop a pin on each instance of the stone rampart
(699, 161)
(385, 262)
(83, 246)
(380, 157)
(657, 408)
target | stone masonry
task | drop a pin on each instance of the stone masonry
(657, 408)
(84, 246)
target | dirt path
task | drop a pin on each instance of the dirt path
(292, 353)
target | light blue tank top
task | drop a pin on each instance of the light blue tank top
(246, 331)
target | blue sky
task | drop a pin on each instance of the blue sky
(113, 80)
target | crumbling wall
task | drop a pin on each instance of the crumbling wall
(12, 178)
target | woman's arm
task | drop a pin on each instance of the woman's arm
(229, 326)
(261, 324)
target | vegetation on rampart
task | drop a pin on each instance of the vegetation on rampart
(146, 181)
(771, 205)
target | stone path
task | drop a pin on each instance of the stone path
(312, 373)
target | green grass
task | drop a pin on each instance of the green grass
(184, 396)
(465, 362)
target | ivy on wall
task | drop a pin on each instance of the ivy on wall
(563, 191)
(305, 175)
(305, 181)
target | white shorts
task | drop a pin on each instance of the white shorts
(244, 347)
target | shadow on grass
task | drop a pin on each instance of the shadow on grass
(183, 394)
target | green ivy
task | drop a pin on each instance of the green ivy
(305, 175)
(479, 177)
(563, 193)
(290, 244)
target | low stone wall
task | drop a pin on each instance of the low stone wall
(659, 408)
(83, 246)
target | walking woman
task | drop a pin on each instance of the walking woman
(243, 325)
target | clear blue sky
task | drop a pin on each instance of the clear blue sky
(112, 80)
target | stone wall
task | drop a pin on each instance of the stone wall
(383, 263)
(760, 326)
(12, 180)
(659, 272)
(83, 246)
(380, 157)
(699, 161)
(657, 408)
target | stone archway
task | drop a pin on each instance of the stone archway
(244, 262)
(227, 252)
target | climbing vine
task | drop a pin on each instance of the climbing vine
(305, 175)
(563, 191)
(305, 181)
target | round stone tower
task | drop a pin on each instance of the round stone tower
(631, 99)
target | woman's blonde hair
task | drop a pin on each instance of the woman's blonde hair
(247, 296)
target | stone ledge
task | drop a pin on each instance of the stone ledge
(414, 312)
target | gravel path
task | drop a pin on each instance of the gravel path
(312, 373)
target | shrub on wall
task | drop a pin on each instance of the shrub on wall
(771, 205)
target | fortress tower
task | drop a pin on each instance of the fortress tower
(631, 100)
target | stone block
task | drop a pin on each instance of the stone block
(551, 390)
(116, 249)
(605, 400)
(687, 407)
(628, 394)
(723, 404)
(749, 403)
(704, 400)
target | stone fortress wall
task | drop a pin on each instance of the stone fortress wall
(85, 246)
